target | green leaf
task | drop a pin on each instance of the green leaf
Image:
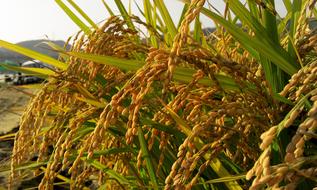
(150, 21)
(172, 31)
(253, 8)
(92, 102)
(283, 23)
(29, 70)
(274, 75)
(181, 18)
(32, 86)
(124, 14)
(296, 9)
(215, 164)
(30, 165)
(108, 8)
(181, 74)
(267, 35)
(276, 54)
(197, 30)
(57, 48)
(107, 152)
(53, 46)
(225, 179)
(34, 55)
(103, 168)
(151, 123)
(147, 157)
(74, 18)
(288, 5)
(82, 13)
(124, 64)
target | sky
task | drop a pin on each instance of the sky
(22, 20)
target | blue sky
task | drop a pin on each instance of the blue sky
(35, 19)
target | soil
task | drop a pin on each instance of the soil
(12, 105)
(13, 101)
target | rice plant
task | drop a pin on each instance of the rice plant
(175, 109)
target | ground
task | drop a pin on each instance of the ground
(13, 101)
(12, 104)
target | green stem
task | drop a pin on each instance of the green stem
(146, 156)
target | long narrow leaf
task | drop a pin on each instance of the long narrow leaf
(108, 8)
(74, 18)
(215, 164)
(267, 33)
(181, 18)
(30, 70)
(33, 54)
(92, 102)
(150, 21)
(82, 13)
(166, 17)
(296, 8)
(197, 30)
(146, 156)
(110, 172)
(124, 64)
(264, 35)
(124, 14)
(181, 74)
(225, 179)
(288, 5)
(267, 49)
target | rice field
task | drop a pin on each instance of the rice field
(176, 108)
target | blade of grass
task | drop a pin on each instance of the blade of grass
(181, 74)
(82, 13)
(146, 156)
(296, 52)
(150, 21)
(32, 86)
(172, 31)
(108, 8)
(112, 173)
(29, 70)
(263, 34)
(73, 16)
(225, 179)
(276, 75)
(83, 91)
(181, 18)
(7, 137)
(296, 8)
(59, 176)
(253, 8)
(124, 64)
(215, 164)
(197, 30)
(106, 152)
(124, 14)
(34, 55)
(57, 48)
(30, 165)
(288, 5)
(92, 102)
(283, 23)
(276, 54)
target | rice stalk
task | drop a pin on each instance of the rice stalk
(176, 114)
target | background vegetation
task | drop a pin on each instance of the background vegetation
(174, 109)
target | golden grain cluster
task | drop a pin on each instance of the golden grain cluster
(80, 112)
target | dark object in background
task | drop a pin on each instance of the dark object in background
(26, 78)
(7, 78)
